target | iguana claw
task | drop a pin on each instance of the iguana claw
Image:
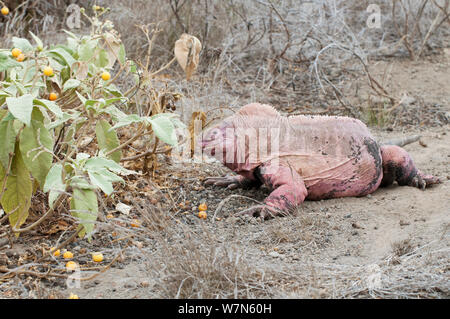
(262, 211)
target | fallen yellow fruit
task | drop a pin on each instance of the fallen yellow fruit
(202, 214)
(67, 255)
(16, 52)
(48, 71)
(5, 11)
(71, 265)
(73, 296)
(202, 207)
(97, 257)
(56, 253)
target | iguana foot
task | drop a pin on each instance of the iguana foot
(231, 182)
(422, 181)
(262, 211)
(399, 166)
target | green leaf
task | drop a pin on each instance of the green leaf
(122, 54)
(37, 40)
(81, 97)
(87, 50)
(65, 74)
(54, 184)
(32, 140)
(98, 163)
(102, 59)
(115, 113)
(107, 139)
(84, 206)
(80, 182)
(129, 119)
(101, 181)
(71, 84)
(65, 56)
(21, 107)
(8, 138)
(112, 89)
(6, 62)
(164, 130)
(22, 44)
(19, 188)
(50, 105)
(71, 34)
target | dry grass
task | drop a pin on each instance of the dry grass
(201, 261)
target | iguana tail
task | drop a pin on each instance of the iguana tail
(402, 141)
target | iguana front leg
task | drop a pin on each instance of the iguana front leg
(232, 182)
(288, 192)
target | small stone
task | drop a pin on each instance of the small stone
(130, 285)
(404, 223)
(274, 254)
(356, 225)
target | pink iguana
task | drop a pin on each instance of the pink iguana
(305, 157)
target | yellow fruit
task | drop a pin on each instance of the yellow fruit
(71, 265)
(56, 253)
(67, 255)
(106, 76)
(110, 216)
(20, 58)
(48, 71)
(5, 11)
(73, 296)
(16, 52)
(96, 8)
(202, 207)
(97, 257)
(202, 214)
(53, 96)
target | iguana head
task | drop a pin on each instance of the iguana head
(218, 139)
(228, 141)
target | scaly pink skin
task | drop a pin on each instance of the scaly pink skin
(311, 158)
(399, 166)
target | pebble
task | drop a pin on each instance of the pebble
(130, 285)
(274, 254)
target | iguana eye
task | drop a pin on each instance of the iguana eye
(214, 133)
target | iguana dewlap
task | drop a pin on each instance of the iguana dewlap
(305, 157)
